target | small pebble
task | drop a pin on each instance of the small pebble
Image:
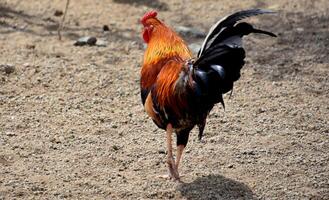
(6, 68)
(161, 151)
(230, 166)
(10, 134)
(26, 65)
(115, 147)
(300, 29)
(106, 28)
(30, 46)
(58, 13)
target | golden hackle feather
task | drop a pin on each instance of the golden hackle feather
(163, 46)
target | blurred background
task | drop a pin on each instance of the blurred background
(72, 124)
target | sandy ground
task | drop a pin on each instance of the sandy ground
(72, 125)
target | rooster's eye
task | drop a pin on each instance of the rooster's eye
(150, 29)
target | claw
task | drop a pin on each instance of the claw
(169, 177)
(173, 172)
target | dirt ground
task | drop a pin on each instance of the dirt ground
(72, 125)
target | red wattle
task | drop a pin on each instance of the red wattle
(146, 36)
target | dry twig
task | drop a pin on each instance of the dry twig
(61, 26)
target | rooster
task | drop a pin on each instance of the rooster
(177, 90)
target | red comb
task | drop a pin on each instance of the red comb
(148, 15)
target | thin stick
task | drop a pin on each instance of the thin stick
(61, 26)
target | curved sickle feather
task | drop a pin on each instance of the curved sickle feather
(230, 20)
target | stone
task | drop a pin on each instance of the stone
(7, 68)
(87, 40)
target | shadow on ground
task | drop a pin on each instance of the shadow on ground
(215, 187)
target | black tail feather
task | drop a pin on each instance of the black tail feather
(226, 22)
(222, 55)
(264, 32)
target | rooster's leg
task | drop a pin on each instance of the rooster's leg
(180, 149)
(173, 173)
(182, 139)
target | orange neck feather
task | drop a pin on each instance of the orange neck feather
(163, 46)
